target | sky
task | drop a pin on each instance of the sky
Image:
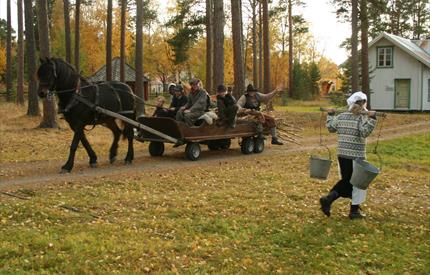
(323, 24)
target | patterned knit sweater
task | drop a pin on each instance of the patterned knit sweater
(352, 131)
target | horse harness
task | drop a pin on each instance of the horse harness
(78, 97)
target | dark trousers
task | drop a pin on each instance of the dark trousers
(343, 187)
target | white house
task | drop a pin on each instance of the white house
(400, 73)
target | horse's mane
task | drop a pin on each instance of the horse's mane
(61, 61)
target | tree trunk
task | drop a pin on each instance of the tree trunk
(218, 65)
(354, 46)
(260, 47)
(67, 31)
(77, 34)
(209, 46)
(49, 119)
(364, 50)
(9, 55)
(239, 66)
(109, 42)
(122, 46)
(30, 52)
(290, 51)
(266, 47)
(20, 80)
(254, 43)
(139, 58)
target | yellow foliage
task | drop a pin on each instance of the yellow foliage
(92, 35)
(328, 68)
(2, 61)
(158, 56)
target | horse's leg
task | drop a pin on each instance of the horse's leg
(78, 132)
(129, 133)
(91, 154)
(116, 135)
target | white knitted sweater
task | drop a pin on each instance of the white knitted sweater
(352, 131)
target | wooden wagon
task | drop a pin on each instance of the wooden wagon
(215, 137)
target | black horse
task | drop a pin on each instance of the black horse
(55, 74)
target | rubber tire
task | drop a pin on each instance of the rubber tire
(192, 151)
(156, 148)
(247, 146)
(225, 144)
(258, 145)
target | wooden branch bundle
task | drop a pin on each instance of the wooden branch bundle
(287, 138)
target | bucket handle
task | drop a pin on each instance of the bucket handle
(375, 150)
(321, 140)
(328, 150)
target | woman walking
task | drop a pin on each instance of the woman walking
(352, 128)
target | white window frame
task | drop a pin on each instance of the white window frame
(383, 56)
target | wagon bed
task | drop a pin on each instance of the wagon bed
(215, 137)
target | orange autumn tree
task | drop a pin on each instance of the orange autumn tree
(2, 62)
(93, 35)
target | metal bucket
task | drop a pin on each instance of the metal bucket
(319, 167)
(363, 173)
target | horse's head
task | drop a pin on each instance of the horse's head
(47, 76)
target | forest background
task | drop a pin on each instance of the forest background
(175, 39)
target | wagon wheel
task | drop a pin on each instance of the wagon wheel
(192, 151)
(224, 144)
(258, 145)
(156, 148)
(247, 146)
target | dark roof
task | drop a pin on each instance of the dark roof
(130, 73)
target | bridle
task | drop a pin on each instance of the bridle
(52, 90)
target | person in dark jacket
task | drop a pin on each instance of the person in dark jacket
(227, 107)
(160, 110)
(179, 99)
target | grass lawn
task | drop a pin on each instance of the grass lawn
(259, 215)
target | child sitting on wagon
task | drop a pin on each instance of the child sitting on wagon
(160, 111)
(227, 107)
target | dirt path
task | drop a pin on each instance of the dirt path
(38, 173)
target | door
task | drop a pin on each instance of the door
(403, 88)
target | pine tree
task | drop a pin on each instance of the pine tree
(20, 79)
(30, 56)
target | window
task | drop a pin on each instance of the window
(428, 90)
(385, 57)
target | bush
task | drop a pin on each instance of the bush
(338, 98)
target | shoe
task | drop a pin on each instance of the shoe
(276, 141)
(355, 213)
(326, 202)
(232, 126)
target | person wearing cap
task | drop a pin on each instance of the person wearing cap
(227, 107)
(197, 104)
(171, 89)
(250, 102)
(179, 99)
(352, 128)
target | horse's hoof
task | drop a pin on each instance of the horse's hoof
(64, 171)
(93, 165)
(127, 162)
(112, 160)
